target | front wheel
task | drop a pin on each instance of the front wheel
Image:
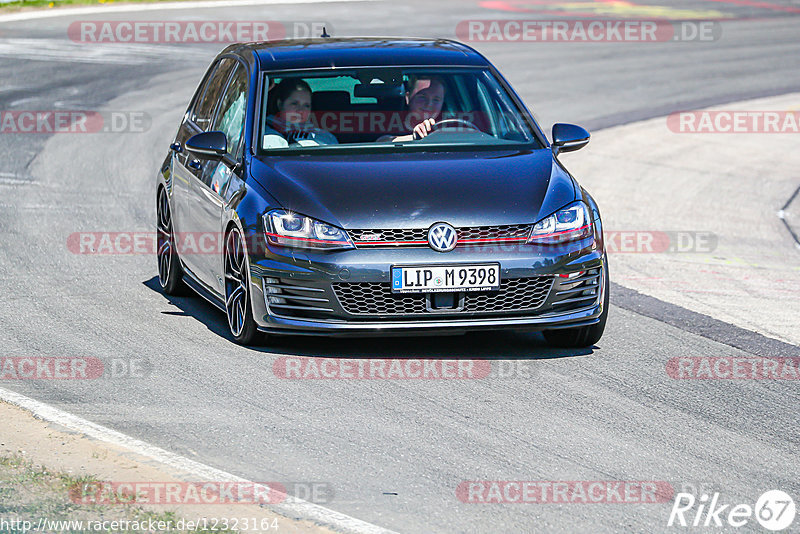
(582, 336)
(237, 293)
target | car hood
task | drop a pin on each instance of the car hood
(415, 190)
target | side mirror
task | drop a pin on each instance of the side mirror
(569, 137)
(208, 145)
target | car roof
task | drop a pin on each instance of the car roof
(361, 52)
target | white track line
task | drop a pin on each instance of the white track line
(293, 507)
(66, 12)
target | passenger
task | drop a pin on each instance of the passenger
(291, 121)
(424, 100)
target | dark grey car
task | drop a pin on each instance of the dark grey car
(375, 187)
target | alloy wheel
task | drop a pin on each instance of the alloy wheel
(165, 239)
(235, 283)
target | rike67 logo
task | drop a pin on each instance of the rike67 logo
(774, 510)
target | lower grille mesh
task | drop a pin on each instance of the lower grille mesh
(515, 295)
(367, 298)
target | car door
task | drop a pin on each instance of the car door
(208, 190)
(181, 158)
(189, 238)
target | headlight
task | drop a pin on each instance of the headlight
(292, 230)
(568, 224)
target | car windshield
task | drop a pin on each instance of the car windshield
(393, 108)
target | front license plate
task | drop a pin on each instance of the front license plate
(445, 278)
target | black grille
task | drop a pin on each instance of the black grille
(419, 236)
(515, 295)
(388, 237)
(288, 298)
(578, 292)
(494, 232)
(367, 298)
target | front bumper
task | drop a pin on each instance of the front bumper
(280, 325)
(315, 275)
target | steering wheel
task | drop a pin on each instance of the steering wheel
(450, 123)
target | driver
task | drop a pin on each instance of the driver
(424, 100)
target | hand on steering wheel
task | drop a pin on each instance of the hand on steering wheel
(430, 125)
(423, 129)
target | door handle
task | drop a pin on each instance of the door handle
(176, 147)
(195, 164)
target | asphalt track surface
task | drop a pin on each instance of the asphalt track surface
(393, 451)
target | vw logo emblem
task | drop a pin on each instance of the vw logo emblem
(442, 237)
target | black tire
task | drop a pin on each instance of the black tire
(238, 308)
(582, 336)
(170, 272)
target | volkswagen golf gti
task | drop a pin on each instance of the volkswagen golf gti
(372, 186)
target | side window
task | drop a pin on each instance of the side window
(198, 97)
(229, 120)
(204, 108)
(230, 115)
